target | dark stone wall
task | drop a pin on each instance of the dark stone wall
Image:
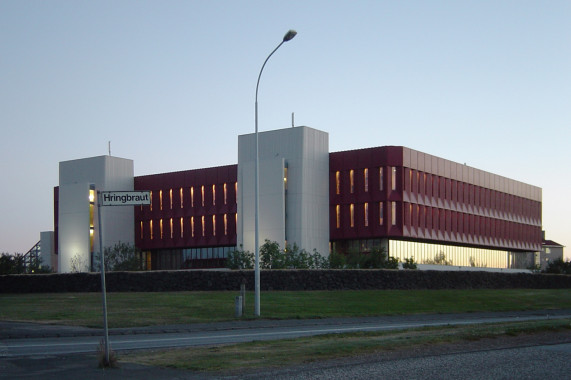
(191, 280)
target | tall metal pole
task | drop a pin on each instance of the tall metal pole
(103, 290)
(288, 36)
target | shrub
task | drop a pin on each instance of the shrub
(240, 259)
(559, 266)
(123, 257)
(409, 264)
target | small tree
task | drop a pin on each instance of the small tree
(123, 257)
(558, 266)
(240, 259)
(78, 264)
(11, 264)
(409, 263)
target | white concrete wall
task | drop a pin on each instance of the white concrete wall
(106, 173)
(48, 249)
(305, 221)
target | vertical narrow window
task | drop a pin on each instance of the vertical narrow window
(285, 177)
(225, 224)
(338, 216)
(170, 196)
(236, 191)
(213, 225)
(181, 227)
(171, 226)
(213, 195)
(225, 193)
(202, 194)
(366, 179)
(181, 198)
(394, 178)
(203, 220)
(142, 234)
(394, 213)
(192, 196)
(381, 179)
(151, 205)
(351, 181)
(381, 212)
(366, 211)
(192, 226)
(352, 214)
(161, 228)
(151, 229)
(337, 183)
(160, 199)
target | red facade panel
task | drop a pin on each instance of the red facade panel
(435, 201)
(190, 209)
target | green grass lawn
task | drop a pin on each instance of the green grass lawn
(287, 352)
(144, 309)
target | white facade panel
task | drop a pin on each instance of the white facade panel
(300, 214)
(104, 173)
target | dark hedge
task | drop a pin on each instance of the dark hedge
(205, 280)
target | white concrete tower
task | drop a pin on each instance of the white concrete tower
(78, 226)
(294, 188)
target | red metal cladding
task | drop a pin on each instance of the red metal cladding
(193, 208)
(373, 194)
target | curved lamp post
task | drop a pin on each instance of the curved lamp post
(288, 36)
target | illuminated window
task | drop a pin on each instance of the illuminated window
(225, 223)
(170, 196)
(213, 225)
(160, 199)
(351, 181)
(161, 228)
(151, 205)
(202, 194)
(214, 194)
(171, 225)
(192, 226)
(225, 194)
(338, 215)
(181, 198)
(142, 235)
(203, 219)
(181, 227)
(366, 179)
(381, 211)
(394, 178)
(352, 214)
(151, 229)
(337, 182)
(192, 196)
(381, 179)
(394, 213)
(236, 191)
(366, 214)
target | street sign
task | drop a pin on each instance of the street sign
(125, 198)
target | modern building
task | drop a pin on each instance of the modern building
(410, 203)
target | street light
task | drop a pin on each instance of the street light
(288, 36)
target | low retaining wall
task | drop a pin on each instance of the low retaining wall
(208, 280)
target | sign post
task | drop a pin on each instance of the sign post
(114, 198)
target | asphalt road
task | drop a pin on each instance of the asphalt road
(32, 351)
(247, 332)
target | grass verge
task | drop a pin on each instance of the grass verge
(268, 354)
(145, 309)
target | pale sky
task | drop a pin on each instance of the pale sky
(172, 83)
